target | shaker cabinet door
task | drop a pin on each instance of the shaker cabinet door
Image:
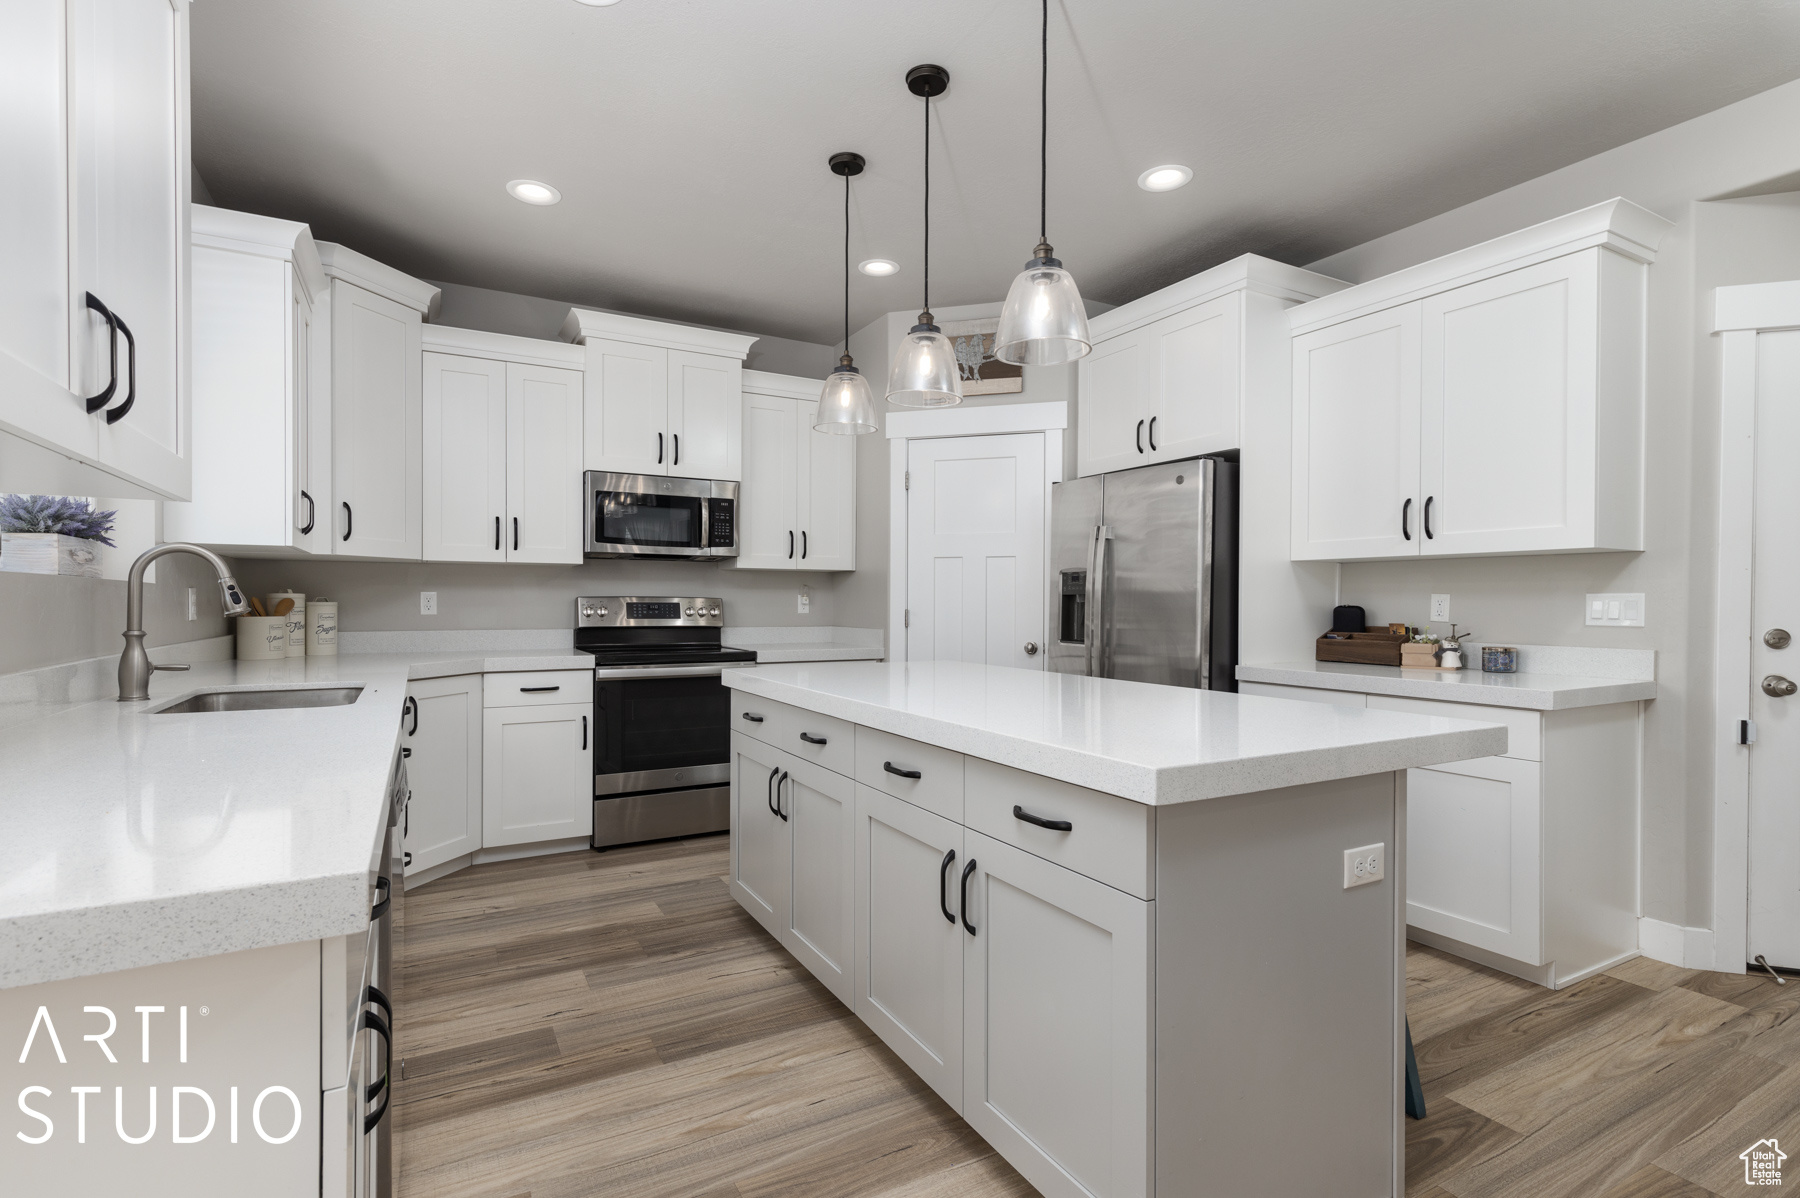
(543, 465)
(827, 501)
(1193, 408)
(1112, 416)
(1474, 861)
(706, 402)
(442, 727)
(377, 419)
(768, 525)
(464, 459)
(627, 408)
(761, 846)
(820, 929)
(537, 773)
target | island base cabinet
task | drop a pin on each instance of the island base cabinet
(761, 849)
(820, 807)
(1056, 1022)
(909, 945)
(537, 773)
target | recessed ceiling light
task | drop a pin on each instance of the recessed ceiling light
(533, 192)
(879, 267)
(1164, 178)
(598, 3)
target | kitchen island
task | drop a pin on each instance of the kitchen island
(1145, 940)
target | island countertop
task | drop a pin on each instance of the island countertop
(1152, 744)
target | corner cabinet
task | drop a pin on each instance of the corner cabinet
(797, 510)
(660, 398)
(441, 727)
(502, 457)
(96, 145)
(1488, 402)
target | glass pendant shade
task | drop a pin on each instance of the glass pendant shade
(925, 373)
(1043, 322)
(845, 405)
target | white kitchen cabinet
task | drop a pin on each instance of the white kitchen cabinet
(1487, 402)
(537, 776)
(820, 929)
(464, 463)
(1473, 865)
(909, 947)
(262, 439)
(660, 398)
(442, 725)
(797, 510)
(377, 405)
(761, 848)
(95, 137)
(543, 463)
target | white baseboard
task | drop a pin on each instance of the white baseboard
(542, 848)
(1672, 944)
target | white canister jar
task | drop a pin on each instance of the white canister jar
(296, 619)
(262, 638)
(322, 628)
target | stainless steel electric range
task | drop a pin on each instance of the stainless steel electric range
(662, 738)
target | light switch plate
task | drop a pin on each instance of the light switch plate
(1440, 609)
(428, 603)
(1365, 865)
(1617, 610)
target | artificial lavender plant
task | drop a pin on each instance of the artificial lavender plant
(56, 513)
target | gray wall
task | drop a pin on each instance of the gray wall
(47, 620)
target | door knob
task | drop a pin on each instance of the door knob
(1777, 638)
(1777, 687)
(1030, 648)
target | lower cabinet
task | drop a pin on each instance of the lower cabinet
(536, 773)
(1474, 869)
(761, 846)
(441, 726)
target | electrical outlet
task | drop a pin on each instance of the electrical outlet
(428, 603)
(1365, 865)
(1440, 609)
(193, 604)
(1616, 611)
(805, 600)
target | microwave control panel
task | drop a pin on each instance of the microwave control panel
(722, 520)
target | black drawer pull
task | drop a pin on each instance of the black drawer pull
(772, 774)
(349, 521)
(895, 770)
(1055, 825)
(967, 870)
(944, 886)
(537, 690)
(753, 717)
(96, 402)
(779, 809)
(383, 888)
(811, 739)
(311, 513)
(114, 414)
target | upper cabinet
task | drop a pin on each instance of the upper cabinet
(502, 436)
(660, 398)
(798, 507)
(1170, 373)
(93, 303)
(1487, 402)
(262, 431)
(377, 406)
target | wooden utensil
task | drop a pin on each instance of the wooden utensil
(283, 608)
(256, 606)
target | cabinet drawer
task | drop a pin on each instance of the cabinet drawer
(939, 786)
(1524, 729)
(821, 739)
(1112, 840)
(529, 688)
(1306, 694)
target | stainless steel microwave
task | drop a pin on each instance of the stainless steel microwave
(648, 515)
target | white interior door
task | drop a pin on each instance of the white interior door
(1774, 928)
(465, 458)
(543, 464)
(975, 550)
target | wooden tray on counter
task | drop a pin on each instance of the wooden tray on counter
(1370, 647)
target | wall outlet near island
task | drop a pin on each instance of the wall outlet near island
(1616, 611)
(1365, 865)
(428, 603)
(1440, 609)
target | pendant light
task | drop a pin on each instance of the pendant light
(925, 373)
(1043, 322)
(845, 405)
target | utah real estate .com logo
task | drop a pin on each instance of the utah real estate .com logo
(1762, 1163)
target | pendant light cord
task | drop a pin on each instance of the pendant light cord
(1044, 128)
(928, 201)
(846, 264)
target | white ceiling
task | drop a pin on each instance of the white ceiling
(689, 137)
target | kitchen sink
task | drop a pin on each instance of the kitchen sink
(263, 700)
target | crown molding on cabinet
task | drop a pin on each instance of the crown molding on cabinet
(263, 236)
(1617, 224)
(582, 323)
(502, 347)
(1248, 272)
(344, 263)
(788, 386)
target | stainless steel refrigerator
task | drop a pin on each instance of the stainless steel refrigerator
(1144, 574)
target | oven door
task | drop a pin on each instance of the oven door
(642, 515)
(660, 732)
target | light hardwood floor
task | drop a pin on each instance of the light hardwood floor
(596, 1024)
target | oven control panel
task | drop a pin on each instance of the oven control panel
(649, 611)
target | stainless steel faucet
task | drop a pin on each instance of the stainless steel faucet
(135, 665)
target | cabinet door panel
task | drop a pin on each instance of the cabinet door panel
(377, 425)
(761, 846)
(465, 458)
(309, 497)
(767, 507)
(1473, 854)
(909, 958)
(705, 415)
(828, 495)
(543, 472)
(820, 929)
(537, 779)
(627, 408)
(1356, 439)
(1508, 413)
(1198, 369)
(1110, 383)
(444, 732)
(1056, 1023)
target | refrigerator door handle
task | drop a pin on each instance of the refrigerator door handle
(1208, 490)
(1096, 596)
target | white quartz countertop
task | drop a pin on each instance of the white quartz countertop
(1536, 691)
(789, 651)
(1152, 744)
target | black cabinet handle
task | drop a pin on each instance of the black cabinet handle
(113, 415)
(895, 770)
(406, 860)
(967, 870)
(944, 886)
(1140, 436)
(779, 809)
(1153, 433)
(537, 690)
(405, 752)
(772, 774)
(373, 994)
(374, 1023)
(659, 449)
(790, 544)
(311, 513)
(1055, 825)
(411, 707)
(753, 717)
(96, 402)
(1429, 535)
(803, 543)
(1406, 518)
(515, 534)
(584, 734)
(811, 739)
(676, 437)
(349, 519)
(384, 888)
(496, 534)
